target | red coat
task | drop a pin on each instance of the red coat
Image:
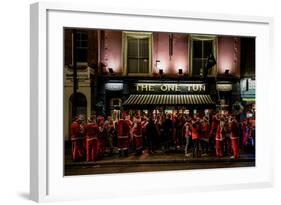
(74, 130)
(91, 130)
(234, 129)
(123, 128)
(195, 131)
(205, 128)
(77, 141)
(220, 133)
(215, 123)
(137, 130)
(123, 132)
(137, 135)
(102, 134)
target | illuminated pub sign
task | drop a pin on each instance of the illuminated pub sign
(168, 88)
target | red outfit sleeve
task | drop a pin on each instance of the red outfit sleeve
(74, 129)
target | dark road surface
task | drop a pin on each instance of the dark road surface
(106, 169)
(159, 161)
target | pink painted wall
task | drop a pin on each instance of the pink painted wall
(229, 55)
(179, 59)
(112, 57)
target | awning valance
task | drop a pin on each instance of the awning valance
(169, 100)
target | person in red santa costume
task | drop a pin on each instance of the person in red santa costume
(123, 133)
(205, 131)
(102, 136)
(100, 119)
(220, 135)
(144, 123)
(213, 131)
(245, 131)
(186, 130)
(110, 134)
(234, 131)
(130, 121)
(137, 135)
(91, 131)
(77, 139)
(195, 135)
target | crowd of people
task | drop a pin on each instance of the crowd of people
(199, 135)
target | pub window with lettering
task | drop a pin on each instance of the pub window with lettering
(137, 55)
(201, 48)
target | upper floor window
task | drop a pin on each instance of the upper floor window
(248, 58)
(137, 53)
(201, 47)
(81, 46)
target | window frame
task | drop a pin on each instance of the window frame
(139, 35)
(80, 63)
(213, 38)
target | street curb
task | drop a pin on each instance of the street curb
(157, 161)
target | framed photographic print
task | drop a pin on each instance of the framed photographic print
(131, 102)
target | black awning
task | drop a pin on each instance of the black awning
(158, 99)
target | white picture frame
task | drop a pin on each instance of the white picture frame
(47, 182)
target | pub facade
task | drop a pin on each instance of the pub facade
(153, 72)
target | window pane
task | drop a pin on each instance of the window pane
(197, 67)
(197, 49)
(84, 36)
(82, 55)
(132, 47)
(138, 55)
(143, 66)
(201, 50)
(143, 48)
(132, 65)
(82, 46)
(78, 36)
(78, 44)
(208, 48)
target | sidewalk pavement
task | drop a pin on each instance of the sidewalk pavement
(158, 158)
